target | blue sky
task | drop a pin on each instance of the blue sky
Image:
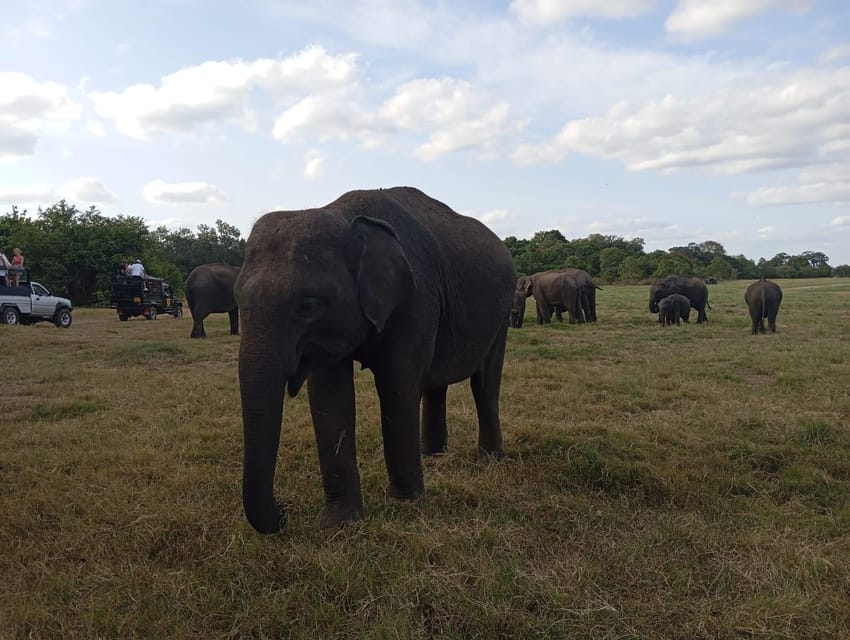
(671, 120)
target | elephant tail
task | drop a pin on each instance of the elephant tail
(708, 305)
(763, 301)
(190, 296)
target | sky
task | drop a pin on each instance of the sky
(671, 120)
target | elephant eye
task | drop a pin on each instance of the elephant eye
(309, 306)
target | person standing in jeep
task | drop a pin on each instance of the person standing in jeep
(136, 269)
(17, 266)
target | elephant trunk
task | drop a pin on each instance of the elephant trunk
(262, 381)
(653, 303)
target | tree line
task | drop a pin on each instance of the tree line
(76, 252)
(614, 259)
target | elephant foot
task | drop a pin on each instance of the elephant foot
(435, 452)
(414, 492)
(495, 454)
(338, 514)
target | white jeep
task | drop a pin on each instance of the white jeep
(31, 302)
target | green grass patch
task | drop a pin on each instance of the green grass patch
(678, 482)
(62, 410)
(145, 352)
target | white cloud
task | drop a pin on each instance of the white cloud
(549, 11)
(80, 190)
(629, 226)
(694, 19)
(801, 117)
(841, 221)
(314, 165)
(496, 215)
(451, 113)
(443, 115)
(96, 128)
(27, 109)
(321, 117)
(218, 91)
(88, 190)
(160, 192)
(836, 54)
(822, 183)
(27, 195)
(766, 232)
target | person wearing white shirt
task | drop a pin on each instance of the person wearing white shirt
(136, 269)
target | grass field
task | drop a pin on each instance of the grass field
(679, 482)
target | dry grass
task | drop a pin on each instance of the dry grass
(681, 482)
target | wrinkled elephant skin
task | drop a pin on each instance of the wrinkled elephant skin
(390, 278)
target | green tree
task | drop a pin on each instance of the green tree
(721, 268)
(610, 261)
(674, 264)
(631, 270)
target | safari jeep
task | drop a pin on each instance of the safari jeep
(143, 296)
(31, 302)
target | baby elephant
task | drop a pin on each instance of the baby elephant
(763, 299)
(673, 309)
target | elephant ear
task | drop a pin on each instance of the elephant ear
(384, 277)
(524, 285)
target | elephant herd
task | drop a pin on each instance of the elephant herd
(406, 287)
(570, 290)
(672, 298)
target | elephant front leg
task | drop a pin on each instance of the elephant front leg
(332, 406)
(434, 431)
(234, 321)
(544, 313)
(399, 398)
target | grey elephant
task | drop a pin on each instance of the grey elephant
(673, 309)
(763, 299)
(587, 292)
(209, 289)
(693, 288)
(390, 278)
(553, 291)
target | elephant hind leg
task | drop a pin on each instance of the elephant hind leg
(198, 326)
(486, 384)
(434, 431)
(234, 321)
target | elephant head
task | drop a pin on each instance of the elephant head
(313, 287)
(523, 291)
(657, 292)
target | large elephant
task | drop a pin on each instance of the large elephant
(209, 289)
(390, 278)
(553, 291)
(693, 288)
(763, 299)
